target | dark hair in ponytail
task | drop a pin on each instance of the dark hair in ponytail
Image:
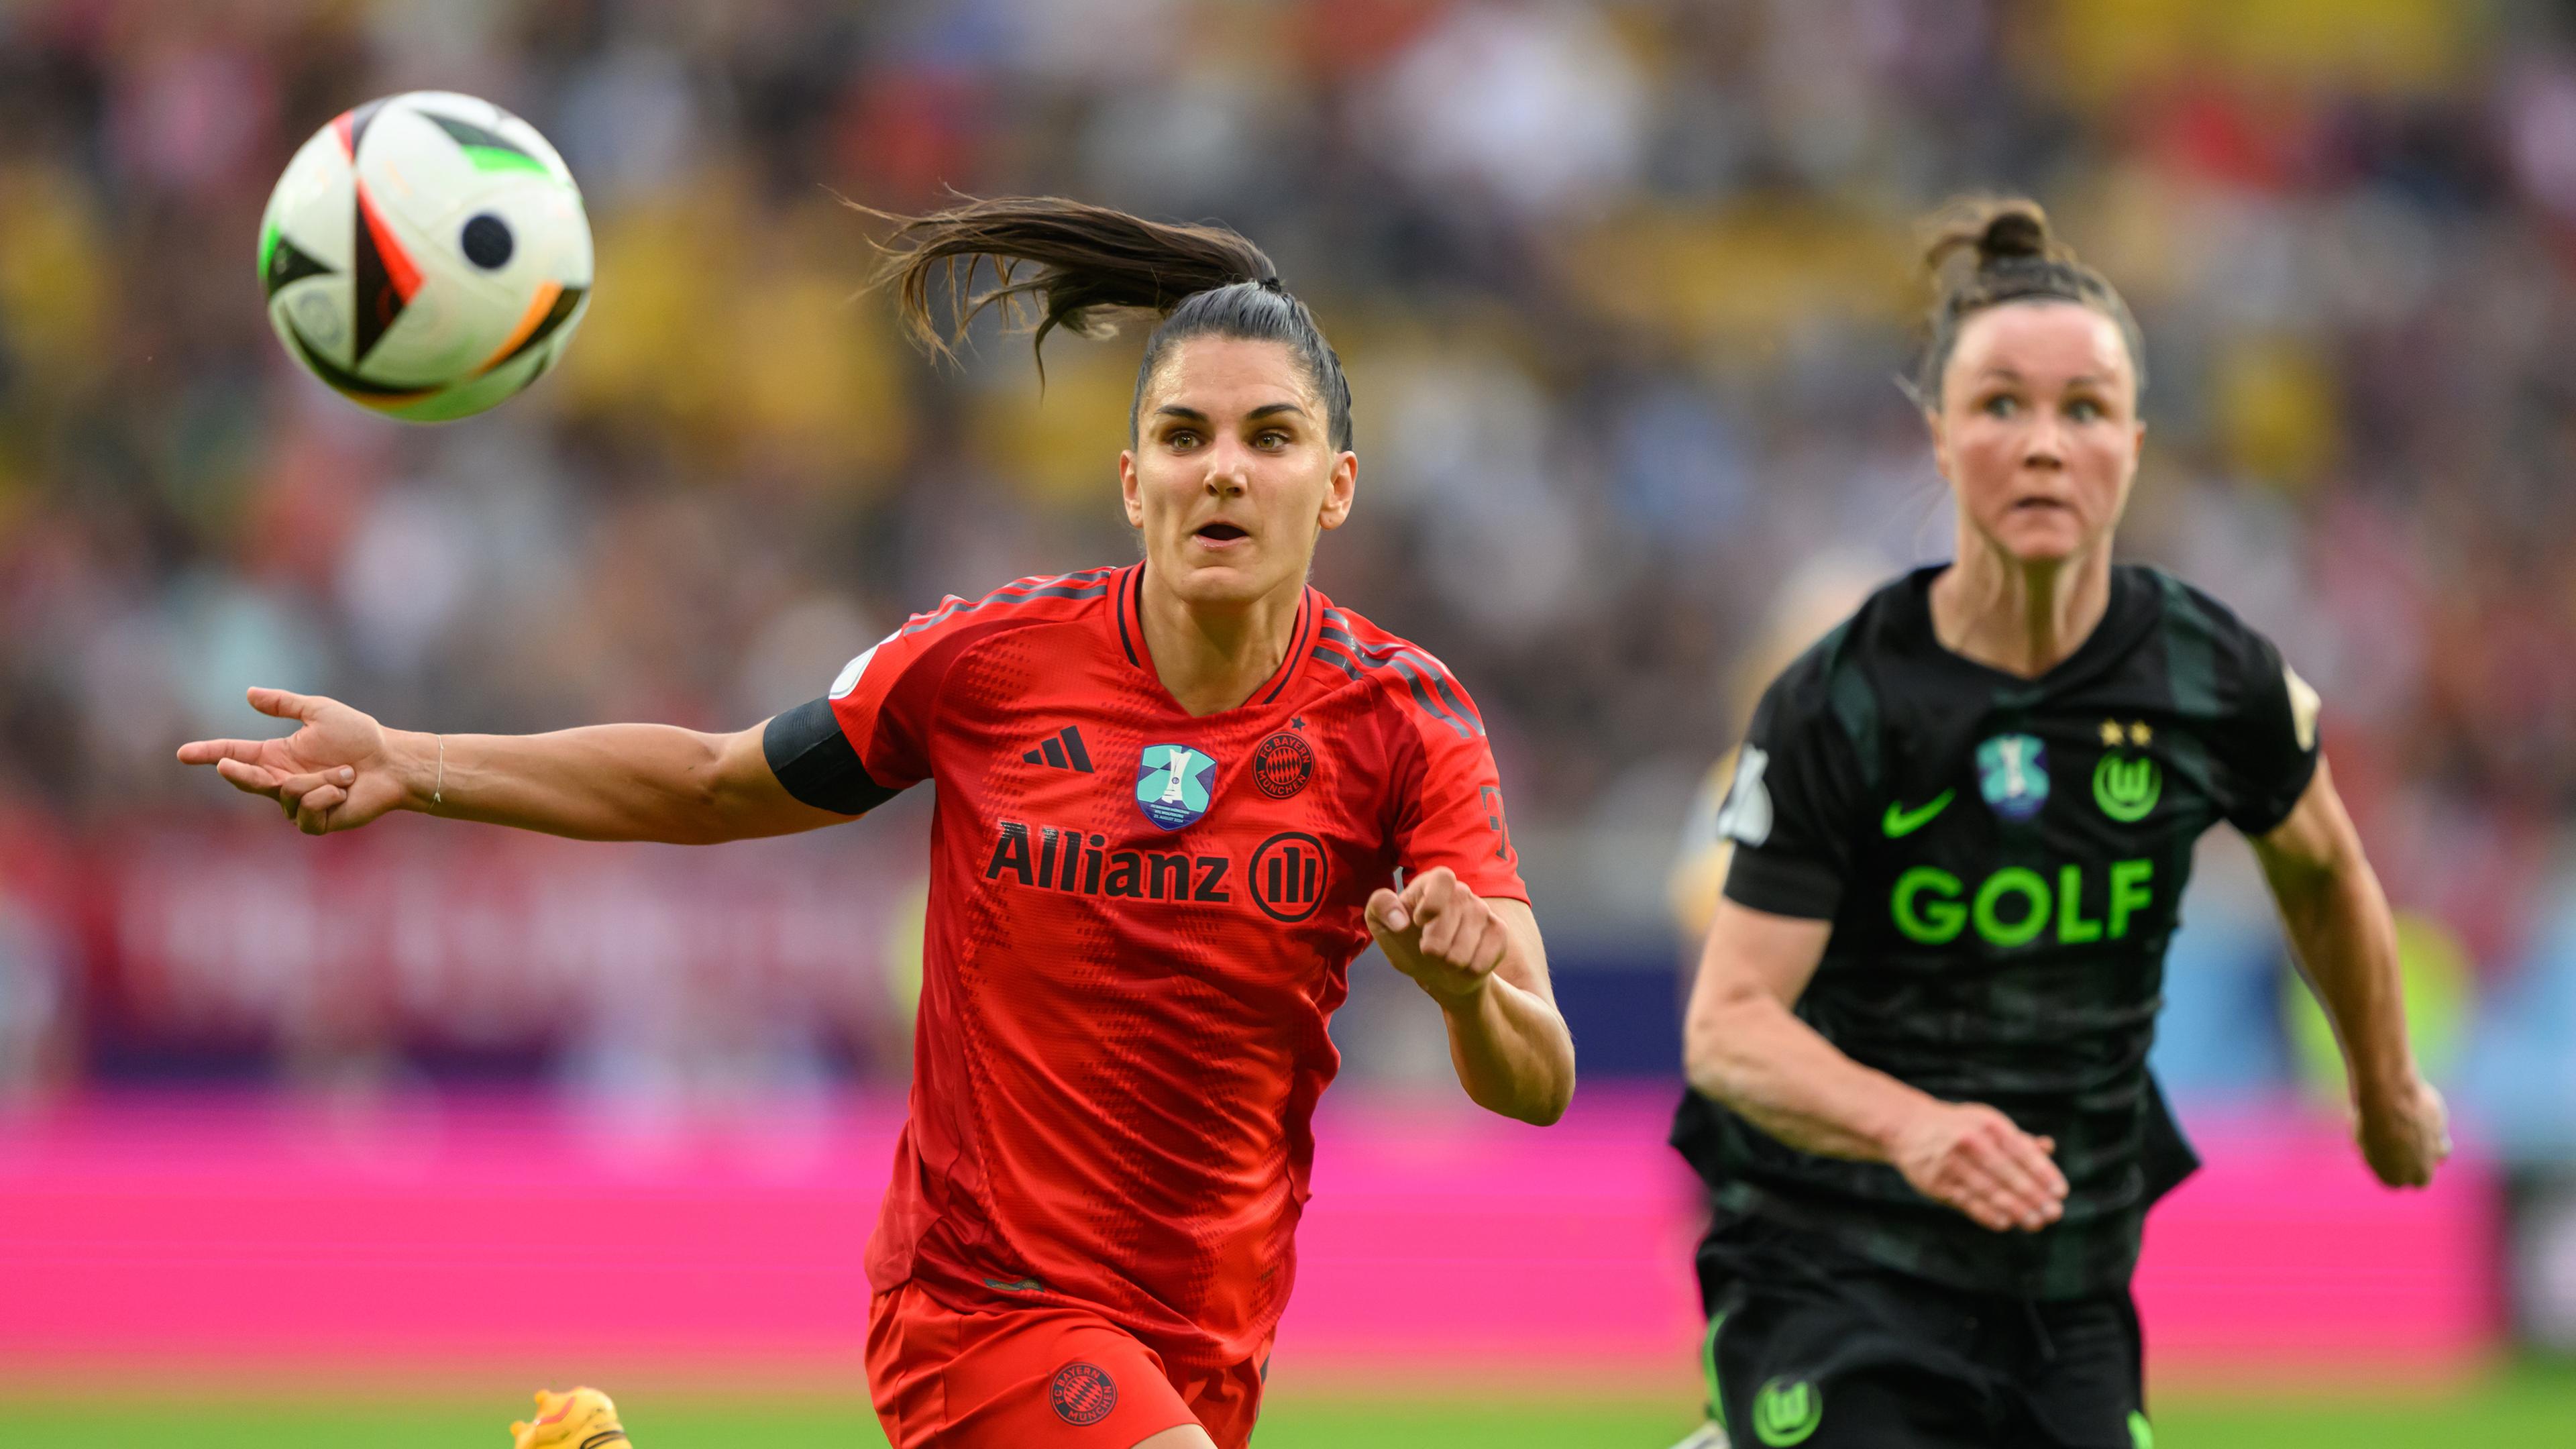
(1092, 263)
(2014, 259)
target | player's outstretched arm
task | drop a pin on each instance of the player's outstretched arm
(2345, 942)
(1483, 961)
(1745, 1048)
(341, 769)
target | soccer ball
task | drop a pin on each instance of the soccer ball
(426, 254)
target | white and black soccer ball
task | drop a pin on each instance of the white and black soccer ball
(426, 254)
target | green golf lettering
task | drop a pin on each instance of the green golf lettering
(1937, 922)
(2012, 880)
(2129, 892)
(2072, 928)
(1931, 907)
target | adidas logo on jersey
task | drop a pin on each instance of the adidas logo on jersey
(1064, 752)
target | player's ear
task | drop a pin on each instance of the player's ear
(1340, 490)
(1127, 494)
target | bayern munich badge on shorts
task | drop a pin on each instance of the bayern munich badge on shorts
(1174, 784)
(1283, 764)
(2012, 771)
(1082, 1393)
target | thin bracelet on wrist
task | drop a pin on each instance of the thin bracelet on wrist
(438, 792)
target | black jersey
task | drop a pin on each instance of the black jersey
(2003, 862)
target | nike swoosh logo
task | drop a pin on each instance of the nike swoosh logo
(1901, 821)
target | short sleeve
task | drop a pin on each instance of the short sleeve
(865, 741)
(1791, 806)
(1699, 869)
(1452, 810)
(885, 701)
(2266, 743)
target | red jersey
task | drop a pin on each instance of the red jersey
(1140, 921)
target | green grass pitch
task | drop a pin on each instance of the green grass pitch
(2531, 1405)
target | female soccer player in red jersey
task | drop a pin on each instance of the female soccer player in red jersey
(1172, 799)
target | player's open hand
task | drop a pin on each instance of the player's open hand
(335, 773)
(1975, 1159)
(1443, 935)
(2406, 1137)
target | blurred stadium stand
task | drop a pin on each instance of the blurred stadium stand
(1622, 289)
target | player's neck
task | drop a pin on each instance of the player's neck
(2021, 618)
(1212, 657)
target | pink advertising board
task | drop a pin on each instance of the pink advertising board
(260, 1237)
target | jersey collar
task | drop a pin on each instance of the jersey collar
(1131, 637)
(2125, 616)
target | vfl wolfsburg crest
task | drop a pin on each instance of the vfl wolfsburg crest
(1787, 1411)
(1173, 785)
(2126, 787)
(2012, 770)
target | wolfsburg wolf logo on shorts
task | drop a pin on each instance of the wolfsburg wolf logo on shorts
(1174, 784)
(1787, 1412)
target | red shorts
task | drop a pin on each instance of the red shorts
(1040, 1377)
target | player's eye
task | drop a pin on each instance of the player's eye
(1271, 438)
(1180, 438)
(2001, 405)
(2084, 410)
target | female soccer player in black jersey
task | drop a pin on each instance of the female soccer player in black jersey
(1962, 824)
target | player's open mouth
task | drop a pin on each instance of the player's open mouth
(1218, 535)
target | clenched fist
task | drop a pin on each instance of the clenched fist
(2406, 1136)
(1443, 935)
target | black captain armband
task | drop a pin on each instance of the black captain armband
(813, 759)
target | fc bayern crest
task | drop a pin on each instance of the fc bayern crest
(1174, 784)
(2012, 771)
(1283, 764)
(1082, 1393)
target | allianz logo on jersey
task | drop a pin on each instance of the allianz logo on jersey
(1287, 878)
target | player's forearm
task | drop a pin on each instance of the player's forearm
(2345, 941)
(1753, 1055)
(599, 782)
(1512, 1051)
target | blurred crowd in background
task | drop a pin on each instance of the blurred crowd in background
(1623, 289)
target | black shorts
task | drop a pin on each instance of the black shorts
(1810, 1344)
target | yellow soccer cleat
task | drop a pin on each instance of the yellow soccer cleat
(582, 1419)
